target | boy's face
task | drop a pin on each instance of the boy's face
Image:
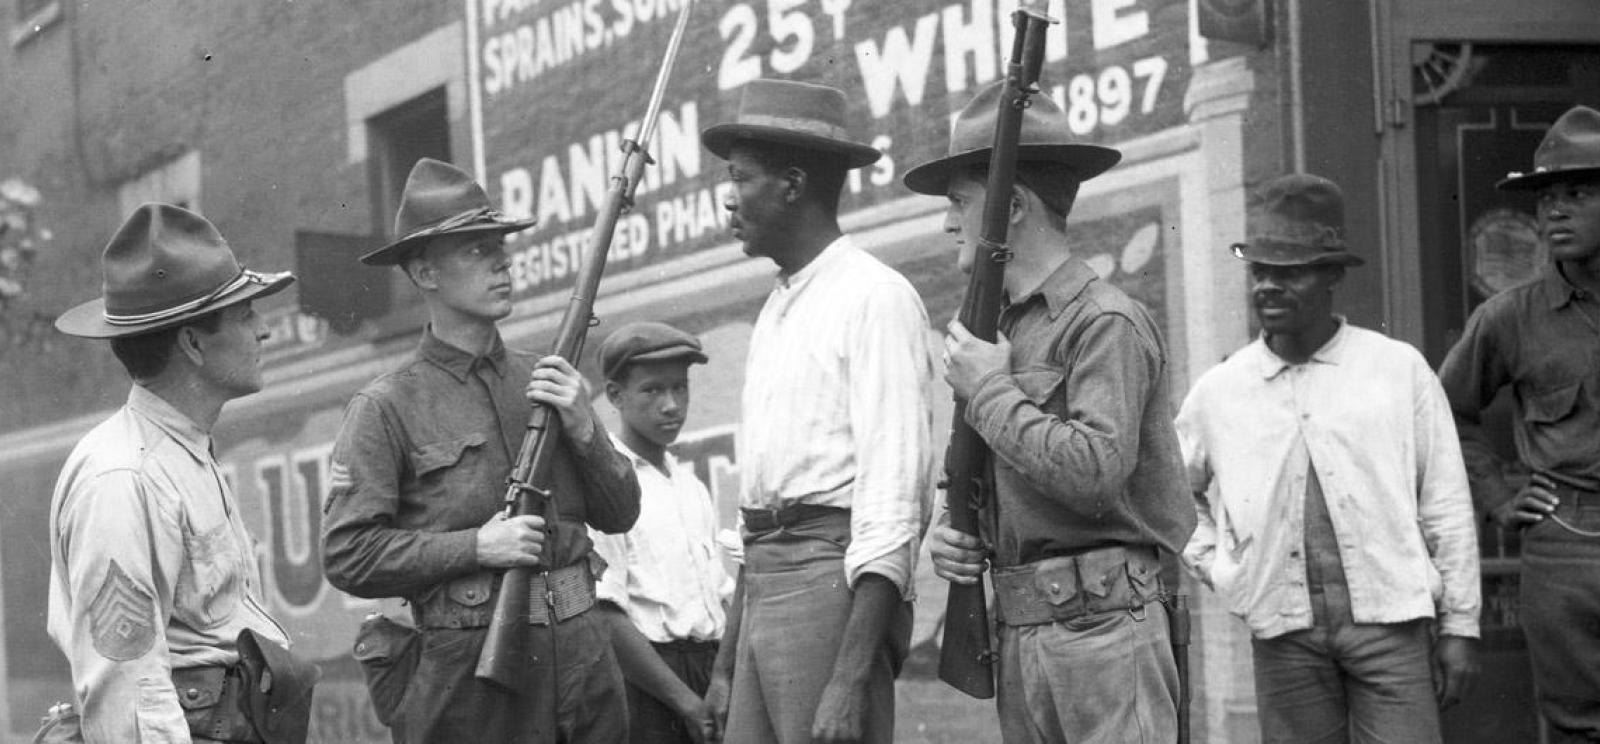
(653, 399)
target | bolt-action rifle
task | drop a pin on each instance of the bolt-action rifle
(966, 661)
(528, 487)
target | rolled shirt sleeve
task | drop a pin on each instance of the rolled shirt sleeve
(890, 403)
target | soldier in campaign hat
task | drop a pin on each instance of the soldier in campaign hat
(414, 505)
(1542, 341)
(665, 585)
(835, 450)
(1333, 505)
(153, 575)
(1086, 478)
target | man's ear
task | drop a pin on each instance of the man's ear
(421, 272)
(613, 391)
(188, 342)
(795, 181)
(1022, 202)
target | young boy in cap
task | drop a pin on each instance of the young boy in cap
(1342, 529)
(664, 584)
(419, 468)
(153, 575)
(1542, 340)
(1087, 482)
(835, 451)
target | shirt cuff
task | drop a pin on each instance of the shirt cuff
(1465, 626)
(894, 566)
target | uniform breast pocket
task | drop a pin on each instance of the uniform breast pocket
(1552, 405)
(1039, 384)
(445, 462)
(207, 594)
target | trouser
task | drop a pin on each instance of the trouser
(1561, 616)
(1343, 682)
(651, 721)
(573, 690)
(795, 610)
(1102, 678)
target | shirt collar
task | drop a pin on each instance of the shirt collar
(1063, 285)
(170, 420)
(1557, 289)
(458, 362)
(1332, 352)
(637, 459)
(829, 255)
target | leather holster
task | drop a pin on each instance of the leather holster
(277, 689)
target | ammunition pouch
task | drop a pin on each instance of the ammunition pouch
(468, 602)
(1068, 587)
(388, 653)
(277, 689)
(210, 697)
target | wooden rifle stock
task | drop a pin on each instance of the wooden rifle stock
(528, 487)
(966, 661)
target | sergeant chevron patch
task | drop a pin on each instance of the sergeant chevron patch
(122, 617)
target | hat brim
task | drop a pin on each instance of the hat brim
(1540, 179)
(1250, 253)
(88, 320)
(1082, 161)
(396, 252)
(720, 139)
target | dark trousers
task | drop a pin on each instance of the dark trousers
(573, 691)
(650, 721)
(1561, 617)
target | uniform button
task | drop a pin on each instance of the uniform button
(361, 648)
(1055, 588)
(472, 594)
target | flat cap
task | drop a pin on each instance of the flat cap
(647, 342)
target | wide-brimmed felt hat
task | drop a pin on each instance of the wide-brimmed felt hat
(1300, 222)
(1571, 149)
(647, 342)
(785, 112)
(1046, 138)
(164, 267)
(440, 199)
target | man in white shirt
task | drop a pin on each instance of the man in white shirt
(664, 584)
(1334, 512)
(835, 449)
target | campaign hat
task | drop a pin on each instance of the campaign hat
(647, 341)
(1570, 150)
(1300, 222)
(440, 199)
(1046, 137)
(164, 267)
(786, 112)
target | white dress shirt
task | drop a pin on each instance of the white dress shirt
(666, 573)
(838, 406)
(1369, 415)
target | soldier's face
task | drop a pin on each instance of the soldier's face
(467, 274)
(963, 218)
(653, 399)
(231, 357)
(1569, 220)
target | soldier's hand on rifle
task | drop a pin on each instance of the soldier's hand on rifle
(958, 557)
(968, 359)
(557, 384)
(1530, 506)
(504, 542)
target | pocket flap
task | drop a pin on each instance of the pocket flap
(471, 591)
(1038, 383)
(1552, 406)
(198, 687)
(435, 455)
(1056, 581)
